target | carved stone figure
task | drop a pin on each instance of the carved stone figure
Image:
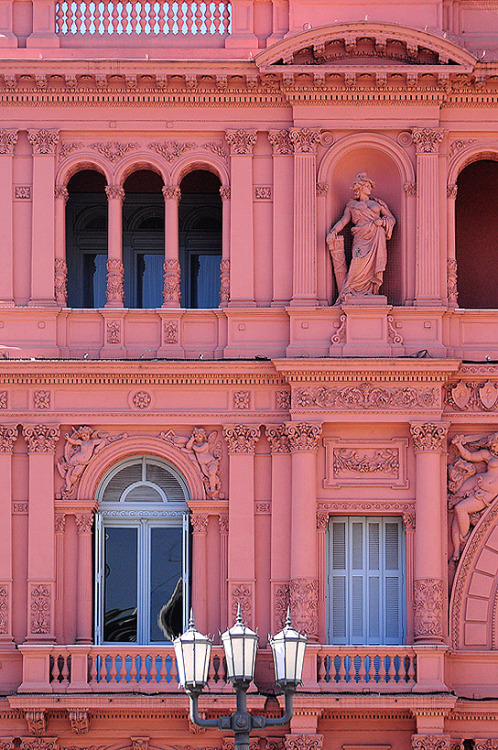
(205, 451)
(473, 484)
(81, 445)
(373, 225)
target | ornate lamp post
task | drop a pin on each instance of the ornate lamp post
(193, 651)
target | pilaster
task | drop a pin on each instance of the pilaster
(115, 270)
(283, 175)
(60, 270)
(8, 436)
(171, 291)
(199, 522)
(84, 630)
(8, 140)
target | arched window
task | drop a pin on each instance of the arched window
(476, 230)
(86, 240)
(142, 553)
(143, 240)
(200, 219)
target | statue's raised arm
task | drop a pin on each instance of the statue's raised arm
(373, 226)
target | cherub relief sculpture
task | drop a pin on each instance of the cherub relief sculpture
(81, 446)
(373, 226)
(473, 484)
(205, 451)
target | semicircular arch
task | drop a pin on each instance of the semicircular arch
(138, 161)
(383, 143)
(134, 447)
(471, 153)
(200, 160)
(79, 163)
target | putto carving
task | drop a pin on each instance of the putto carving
(368, 462)
(205, 451)
(241, 399)
(365, 396)
(35, 719)
(41, 438)
(4, 610)
(224, 281)
(113, 150)
(278, 438)
(373, 226)
(304, 140)
(43, 141)
(113, 332)
(79, 720)
(60, 282)
(40, 610)
(41, 399)
(171, 332)
(80, 447)
(8, 436)
(304, 605)
(428, 604)
(171, 150)
(171, 192)
(472, 484)
(303, 436)
(280, 142)
(303, 741)
(428, 436)
(199, 523)
(8, 140)
(241, 142)
(241, 438)
(171, 292)
(84, 523)
(427, 140)
(115, 280)
(115, 192)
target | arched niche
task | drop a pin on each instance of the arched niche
(130, 447)
(473, 613)
(390, 169)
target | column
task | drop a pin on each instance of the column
(303, 441)
(451, 262)
(304, 286)
(283, 175)
(84, 603)
(241, 440)
(44, 143)
(225, 621)
(242, 270)
(115, 271)
(8, 140)
(199, 523)
(429, 441)
(41, 441)
(225, 193)
(8, 436)
(428, 280)
(171, 292)
(61, 198)
(59, 530)
(281, 488)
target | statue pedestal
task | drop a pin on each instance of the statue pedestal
(369, 329)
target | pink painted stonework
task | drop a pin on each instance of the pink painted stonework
(249, 357)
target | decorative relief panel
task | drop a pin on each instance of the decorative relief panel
(281, 600)
(428, 606)
(303, 597)
(241, 399)
(41, 399)
(3, 400)
(365, 462)
(4, 610)
(242, 594)
(303, 741)
(471, 396)
(430, 742)
(40, 610)
(39, 743)
(170, 332)
(365, 396)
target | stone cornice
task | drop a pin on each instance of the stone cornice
(366, 370)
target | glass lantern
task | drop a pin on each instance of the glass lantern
(240, 644)
(288, 648)
(193, 652)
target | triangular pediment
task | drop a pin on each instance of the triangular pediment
(365, 44)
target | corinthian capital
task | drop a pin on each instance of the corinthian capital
(303, 436)
(304, 140)
(427, 140)
(280, 142)
(43, 141)
(241, 438)
(8, 140)
(429, 437)
(241, 142)
(41, 438)
(8, 436)
(115, 192)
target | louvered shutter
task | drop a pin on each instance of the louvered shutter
(338, 581)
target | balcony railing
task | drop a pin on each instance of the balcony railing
(145, 18)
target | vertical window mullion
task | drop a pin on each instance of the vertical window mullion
(143, 614)
(99, 573)
(186, 569)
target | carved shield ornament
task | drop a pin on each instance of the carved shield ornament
(461, 394)
(488, 393)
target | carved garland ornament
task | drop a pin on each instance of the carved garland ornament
(282, 599)
(225, 280)
(365, 396)
(60, 282)
(171, 292)
(428, 604)
(368, 462)
(171, 332)
(242, 594)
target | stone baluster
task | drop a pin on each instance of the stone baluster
(8, 140)
(44, 143)
(115, 270)
(171, 291)
(428, 275)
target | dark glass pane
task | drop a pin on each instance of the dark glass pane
(205, 280)
(94, 280)
(166, 590)
(120, 585)
(150, 280)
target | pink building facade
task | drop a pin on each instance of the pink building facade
(206, 399)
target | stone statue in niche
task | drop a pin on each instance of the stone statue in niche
(81, 446)
(472, 484)
(205, 451)
(373, 226)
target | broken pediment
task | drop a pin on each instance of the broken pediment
(364, 45)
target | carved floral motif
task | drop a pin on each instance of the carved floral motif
(241, 399)
(368, 462)
(171, 150)
(242, 594)
(61, 193)
(84, 523)
(39, 743)
(278, 438)
(40, 610)
(60, 282)
(171, 332)
(43, 141)
(427, 140)
(81, 445)
(35, 719)
(283, 400)
(485, 744)
(264, 508)
(223, 523)
(22, 192)
(262, 193)
(430, 742)
(60, 523)
(460, 144)
(113, 332)
(304, 140)
(322, 189)
(224, 280)
(428, 436)
(282, 599)
(225, 193)
(241, 438)
(451, 191)
(199, 523)
(171, 292)
(241, 142)
(8, 140)
(3, 399)
(410, 189)
(204, 449)
(115, 192)
(142, 400)
(428, 605)
(303, 741)
(4, 610)
(303, 436)
(452, 282)
(365, 396)
(115, 280)
(67, 147)
(171, 192)
(41, 399)
(280, 142)
(8, 436)
(41, 438)
(113, 150)
(303, 593)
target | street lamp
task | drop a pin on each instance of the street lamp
(193, 651)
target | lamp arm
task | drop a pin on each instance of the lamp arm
(194, 713)
(289, 711)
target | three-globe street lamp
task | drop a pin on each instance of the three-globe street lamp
(193, 652)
